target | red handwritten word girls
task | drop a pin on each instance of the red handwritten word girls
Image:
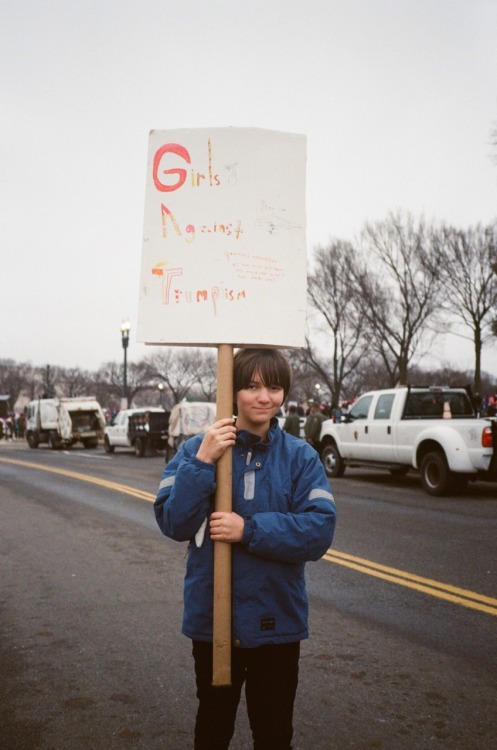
(196, 177)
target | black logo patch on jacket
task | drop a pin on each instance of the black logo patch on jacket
(268, 623)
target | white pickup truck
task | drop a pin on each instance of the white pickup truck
(120, 433)
(434, 430)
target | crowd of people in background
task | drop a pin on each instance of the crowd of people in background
(12, 427)
(314, 414)
(486, 406)
(330, 410)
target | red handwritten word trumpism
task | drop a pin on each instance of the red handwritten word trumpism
(214, 295)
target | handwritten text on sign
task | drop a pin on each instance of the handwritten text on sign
(224, 257)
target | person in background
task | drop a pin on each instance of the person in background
(336, 413)
(312, 427)
(492, 407)
(292, 422)
(283, 516)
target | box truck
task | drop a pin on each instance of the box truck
(62, 422)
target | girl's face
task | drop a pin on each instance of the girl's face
(257, 404)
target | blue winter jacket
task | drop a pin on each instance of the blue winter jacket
(281, 490)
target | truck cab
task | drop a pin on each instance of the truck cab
(116, 433)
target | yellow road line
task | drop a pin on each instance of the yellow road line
(141, 494)
(463, 597)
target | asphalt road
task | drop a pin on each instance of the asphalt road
(403, 647)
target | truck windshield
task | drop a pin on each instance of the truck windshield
(430, 404)
(360, 409)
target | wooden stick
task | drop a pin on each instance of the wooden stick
(221, 653)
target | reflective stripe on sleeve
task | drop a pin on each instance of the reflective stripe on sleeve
(167, 482)
(315, 494)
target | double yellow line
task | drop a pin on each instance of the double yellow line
(463, 597)
(141, 494)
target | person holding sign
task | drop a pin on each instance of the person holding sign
(283, 516)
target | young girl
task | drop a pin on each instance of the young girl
(283, 516)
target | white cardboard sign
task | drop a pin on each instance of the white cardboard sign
(224, 251)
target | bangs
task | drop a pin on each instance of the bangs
(270, 364)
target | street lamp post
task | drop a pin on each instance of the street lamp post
(160, 386)
(125, 329)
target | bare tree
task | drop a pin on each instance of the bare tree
(109, 381)
(178, 369)
(207, 375)
(307, 368)
(493, 325)
(75, 382)
(333, 295)
(14, 379)
(398, 284)
(467, 265)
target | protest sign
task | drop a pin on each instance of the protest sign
(224, 252)
(224, 264)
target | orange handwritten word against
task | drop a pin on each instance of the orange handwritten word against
(168, 215)
(226, 229)
(169, 222)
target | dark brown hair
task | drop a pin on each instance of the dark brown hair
(271, 365)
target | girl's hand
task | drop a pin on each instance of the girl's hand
(218, 438)
(226, 527)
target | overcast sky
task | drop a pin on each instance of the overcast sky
(397, 98)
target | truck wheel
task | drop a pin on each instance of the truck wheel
(139, 447)
(107, 446)
(436, 477)
(32, 439)
(90, 443)
(332, 461)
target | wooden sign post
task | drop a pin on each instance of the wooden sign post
(224, 247)
(221, 667)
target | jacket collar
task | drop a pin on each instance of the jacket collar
(247, 439)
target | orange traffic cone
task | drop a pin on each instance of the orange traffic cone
(447, 414)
